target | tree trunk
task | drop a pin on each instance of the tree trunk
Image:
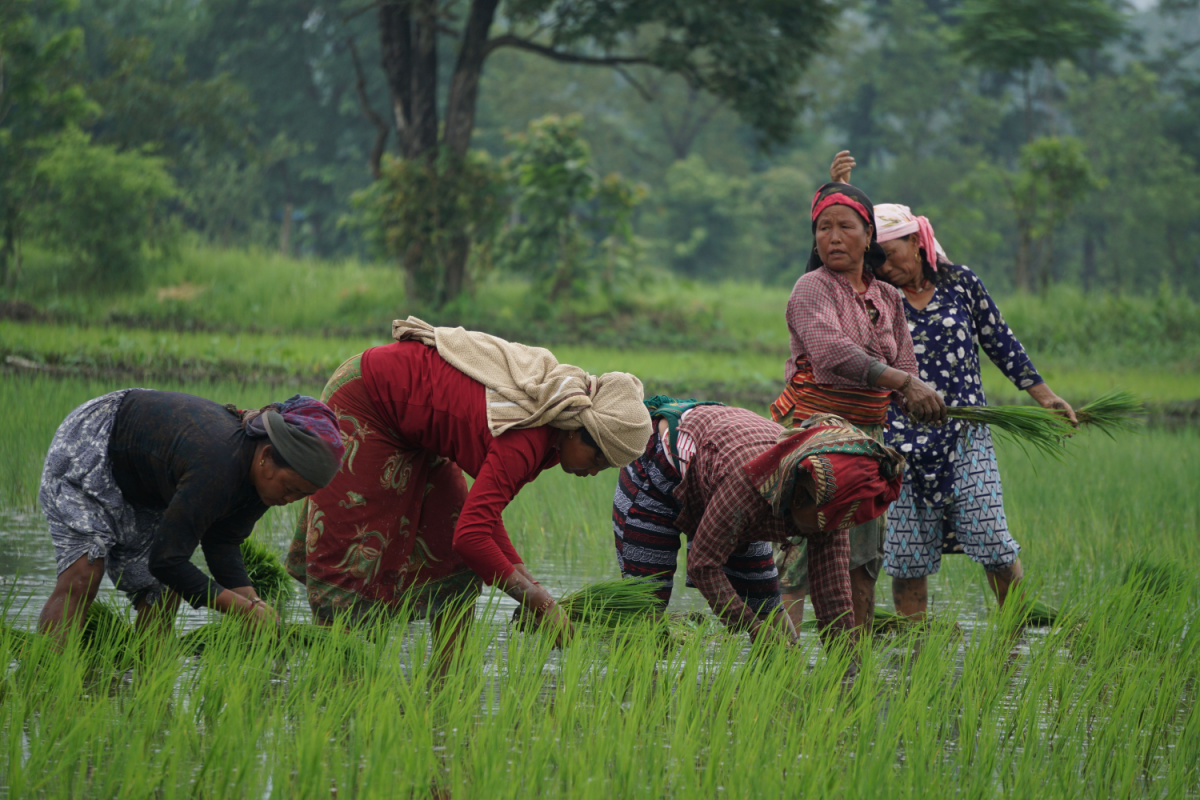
(1088, 273)
(10, 256)
(460, 123)
(285, 231)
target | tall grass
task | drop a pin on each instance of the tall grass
(1084, 711)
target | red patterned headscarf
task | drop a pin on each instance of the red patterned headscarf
(305, 433)
(846, 195)
(856, 477)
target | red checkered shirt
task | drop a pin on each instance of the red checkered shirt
(829, 323)
(723, 512)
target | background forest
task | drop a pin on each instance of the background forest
(586, 148)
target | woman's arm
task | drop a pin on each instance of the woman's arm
(813, 316)
(921, 400)
(733, 507)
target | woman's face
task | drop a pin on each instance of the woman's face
(903, 266)
(278, 486)
(580, 459)
(842, 239)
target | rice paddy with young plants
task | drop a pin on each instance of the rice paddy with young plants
(1102, 703)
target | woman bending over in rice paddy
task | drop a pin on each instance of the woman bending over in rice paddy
(645, 509)
(397, 526)
(729, 480)
(850, 354)
(136, 479)
(951, 501)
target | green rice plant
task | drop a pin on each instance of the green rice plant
(267, 573)
(1158, 578)
(1112, 412)
(1038, 427)
(612, 603)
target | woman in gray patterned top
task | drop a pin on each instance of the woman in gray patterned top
(135, 480)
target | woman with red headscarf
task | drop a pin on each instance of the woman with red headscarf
(952, 501)
(744, 479)
(850, 353)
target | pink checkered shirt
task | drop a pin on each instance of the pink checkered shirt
(723, 512)
(828, 322)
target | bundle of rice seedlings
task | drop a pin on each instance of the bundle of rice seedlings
(104, 625)
(1040, 427)
(612, 603)
(1155, 578)
(266, 572)
(884, 621)
(290, 635)
(1039, 615)
(1115, 411)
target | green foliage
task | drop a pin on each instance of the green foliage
(423, 213)
(37, 98)
(750, 54)
(1012, 35)
(103, 207)
(572, 233)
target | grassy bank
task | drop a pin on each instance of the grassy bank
(207, 289)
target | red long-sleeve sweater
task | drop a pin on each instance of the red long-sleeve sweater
(434, 406)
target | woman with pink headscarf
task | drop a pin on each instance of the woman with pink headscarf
(951, 500)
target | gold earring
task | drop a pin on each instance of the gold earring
(262, 461)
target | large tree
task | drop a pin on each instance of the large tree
(750, 54)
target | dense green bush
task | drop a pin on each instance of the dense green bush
(106, 209)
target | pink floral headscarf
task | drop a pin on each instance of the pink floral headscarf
(893, 221)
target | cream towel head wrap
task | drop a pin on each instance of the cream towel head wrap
(526, 387)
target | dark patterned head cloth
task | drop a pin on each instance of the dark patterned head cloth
(846, 195)
(304, 431)
(856, 478)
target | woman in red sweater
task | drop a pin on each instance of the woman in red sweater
(397, 526)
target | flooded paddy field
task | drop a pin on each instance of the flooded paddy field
(1101, 704)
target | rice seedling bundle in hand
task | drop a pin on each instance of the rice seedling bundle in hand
(612, 603)
(1039, 427)
(266, 573)
(1046, 429)
(1115, 411)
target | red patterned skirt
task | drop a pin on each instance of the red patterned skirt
(803, 397)
(379, 537)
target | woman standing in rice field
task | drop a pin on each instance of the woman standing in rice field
(850, 353)
(398, 525)
(136, 479)
(951, 501)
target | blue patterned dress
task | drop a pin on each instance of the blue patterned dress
(952, 500)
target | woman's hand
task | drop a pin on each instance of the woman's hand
(555, 621)
(535, 600)
(839, 170)
(1046, 398)
(263, 617)
(923, 402)
(244, 603)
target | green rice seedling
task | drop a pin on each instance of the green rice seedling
(1038, 427)
(267, 573)
(612, 603)
(1158, 578)
(1112, 412)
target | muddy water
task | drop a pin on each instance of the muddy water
(27, 574)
